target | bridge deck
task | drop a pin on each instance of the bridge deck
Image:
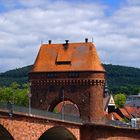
(41, 114)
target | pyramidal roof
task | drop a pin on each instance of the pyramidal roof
(67, 57)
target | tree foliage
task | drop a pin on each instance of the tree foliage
(120, 99)
(15, 94)
(123, 79)
(17, 75)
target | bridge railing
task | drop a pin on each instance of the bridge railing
(123, 124)
(14, 109)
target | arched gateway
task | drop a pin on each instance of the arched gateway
(4, 134)
(57, 133)
(69, 71)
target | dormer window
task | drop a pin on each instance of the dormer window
(63, 62)
(64, 57)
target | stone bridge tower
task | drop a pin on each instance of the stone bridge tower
(69, 72)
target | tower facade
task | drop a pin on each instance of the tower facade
(69, 72)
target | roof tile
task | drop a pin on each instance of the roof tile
(81, 57)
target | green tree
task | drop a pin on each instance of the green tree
(23, 95)
(15, 94)
(120, 99)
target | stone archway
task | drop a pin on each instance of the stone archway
(79, 95)
(67, 107)
(57, 133)
(64, 103)
(4, 134)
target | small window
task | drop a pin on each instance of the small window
(50, 75)
(73, 74)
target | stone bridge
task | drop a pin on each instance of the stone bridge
(19, 124)
(22, 126)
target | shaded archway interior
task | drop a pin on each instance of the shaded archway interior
(67, 107)
(4, 134)
(57, 133)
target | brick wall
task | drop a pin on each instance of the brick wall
(86, 92)
(24, 128)
(96, 132)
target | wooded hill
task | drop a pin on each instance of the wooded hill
(119, 78)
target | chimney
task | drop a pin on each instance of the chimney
(66, 44)
(67, 41)
(86, 40)
(49, 41)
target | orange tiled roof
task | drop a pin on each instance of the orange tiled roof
(134, 111)
(114, 115)
(77, 57)
(130, 109)
(125, 113)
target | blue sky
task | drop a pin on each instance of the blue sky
(113, 4)
(114, 25)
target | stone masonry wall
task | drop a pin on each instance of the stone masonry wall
(24, 128)
(86, 91)
(96, 132)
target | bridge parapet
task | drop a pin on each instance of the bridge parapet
(23, 125)
(37, 113)
(25, 111)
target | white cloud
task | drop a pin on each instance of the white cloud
(22, 29)
(133, 2)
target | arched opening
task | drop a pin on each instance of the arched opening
(4, 134)
(67, 108)
(57, 133)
